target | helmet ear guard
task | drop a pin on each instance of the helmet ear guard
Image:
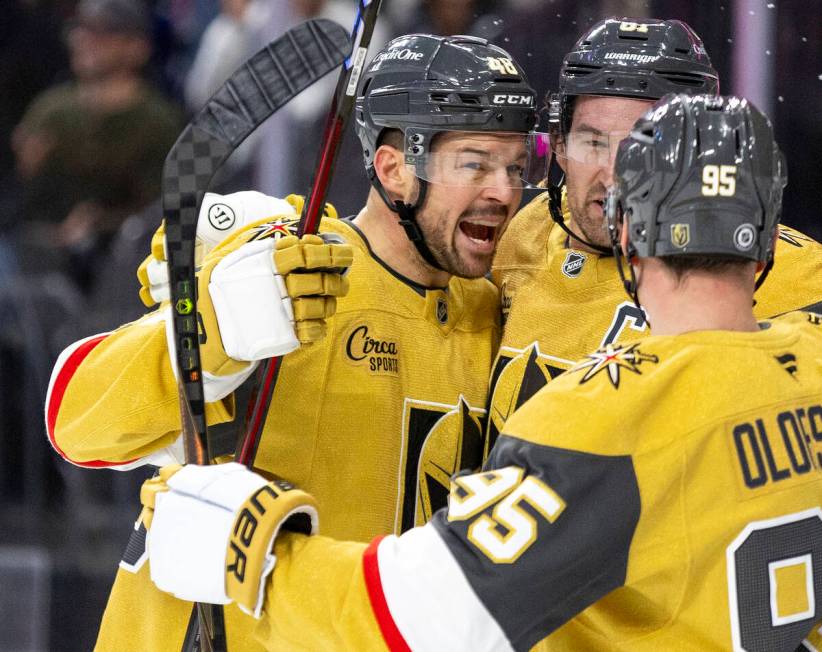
(615, 222)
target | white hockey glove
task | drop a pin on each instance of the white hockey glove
(263, 298)
(220, 217)
(211, 531)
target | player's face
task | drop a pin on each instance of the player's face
(97, 53)
(463, 219)
(587, 157)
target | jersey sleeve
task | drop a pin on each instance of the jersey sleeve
(523, 547)
(112, 400)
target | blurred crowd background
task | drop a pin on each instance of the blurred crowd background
(93, 94)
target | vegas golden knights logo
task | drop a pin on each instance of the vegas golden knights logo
(680, 235)
(440, 440)
(518, 374)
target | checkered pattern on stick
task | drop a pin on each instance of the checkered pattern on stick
(259, 87)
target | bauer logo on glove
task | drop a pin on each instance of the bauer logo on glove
(212, 530)
(248, 559)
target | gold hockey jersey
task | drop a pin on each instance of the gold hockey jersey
(662, 495)
(559, 303)
(373, 420)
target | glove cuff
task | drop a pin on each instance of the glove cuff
(249, 560)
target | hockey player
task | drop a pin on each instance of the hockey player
(661, 495)
(392, 398)
(561, 295)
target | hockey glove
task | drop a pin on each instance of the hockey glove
(220, 217)
(153, 271)
(265, 297)
(212, 531)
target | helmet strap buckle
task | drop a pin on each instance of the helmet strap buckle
(408, 217)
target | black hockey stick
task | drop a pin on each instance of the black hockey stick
(342, 106)
(263, 84)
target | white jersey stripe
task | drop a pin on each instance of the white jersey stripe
(430, 599)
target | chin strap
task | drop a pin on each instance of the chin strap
(408, 217)
(555, 208)
(765, 271)
(629, 281)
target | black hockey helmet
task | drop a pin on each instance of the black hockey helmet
(643, 58)
(699, 175)
(424, 84)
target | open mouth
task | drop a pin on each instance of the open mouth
(479, 231)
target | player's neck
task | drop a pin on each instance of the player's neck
(699, 301)
(390, 243)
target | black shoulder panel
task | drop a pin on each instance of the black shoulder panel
(573, 561)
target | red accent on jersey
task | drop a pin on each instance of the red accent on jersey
(59, 389)
(371, 568)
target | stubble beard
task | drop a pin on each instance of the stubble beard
(592, 228)
(443, 246)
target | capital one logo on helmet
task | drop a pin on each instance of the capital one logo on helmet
(401, 54)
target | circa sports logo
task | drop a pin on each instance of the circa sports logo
(363, 348)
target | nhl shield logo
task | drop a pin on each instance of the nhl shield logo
(745, 237)
(680, 235)
(442, 311)
(572, 266)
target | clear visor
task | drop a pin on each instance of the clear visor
(480, 159)
(590, 146)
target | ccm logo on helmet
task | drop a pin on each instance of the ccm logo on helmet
(516, 100)
(403, 54)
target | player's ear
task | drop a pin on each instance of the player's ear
(389, 164)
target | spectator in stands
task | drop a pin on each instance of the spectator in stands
(91, 151)
(455, 17)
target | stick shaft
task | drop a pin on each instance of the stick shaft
(342, 105)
